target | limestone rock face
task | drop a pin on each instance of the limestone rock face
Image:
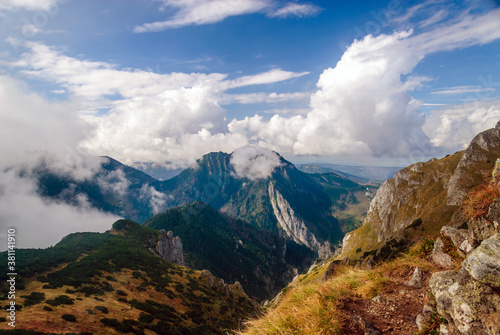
(472, 307)
(483, 263)
(294, 226)
(170, 248)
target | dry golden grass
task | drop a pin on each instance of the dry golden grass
(478, 201)
(316, 307)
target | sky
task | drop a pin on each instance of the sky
(372, 82)
(167, 81)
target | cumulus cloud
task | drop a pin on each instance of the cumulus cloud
(357, 101)
(453, 127)
(181, 112)
(200, 12)
(254, 162)
(363, 106)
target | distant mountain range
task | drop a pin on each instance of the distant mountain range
(360, 174)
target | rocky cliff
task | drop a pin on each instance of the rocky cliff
(424, 197)
(469, 298)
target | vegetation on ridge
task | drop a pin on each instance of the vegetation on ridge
(113, 283)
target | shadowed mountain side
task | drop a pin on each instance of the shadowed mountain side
(261, 260)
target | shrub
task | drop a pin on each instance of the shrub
(415, 223)
(424, 248)
(146, 318)
(61, 300)
(69, 317)
(34, 298)
(102, 309)
(478, 201)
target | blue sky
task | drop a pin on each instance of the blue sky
(372, 82)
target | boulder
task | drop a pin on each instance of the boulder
(439, 256)
(472, 307)
(483, 263)
(366, 325)
(460, 238)
(416, 279)
(421, 321)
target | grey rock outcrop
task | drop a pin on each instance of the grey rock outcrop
(416, 279)
(366, 325)
(293, 226)
(439, 256)
(460, 238)
(482, 228)
(483, 263)
(219, 285)
(472, 307)
(420, 321)
(170, 248)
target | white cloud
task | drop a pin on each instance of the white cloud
(453, 127)
(151, 117)
(357, 101)
(31, 126)
(199, 12)
(114, 182)
(27, 4)
(29, 122)
(462, 89)
(272, 76)
(156, 199)
(40, 223)
(253, 98)
(296, 10)
(254, 162)
(362, 107)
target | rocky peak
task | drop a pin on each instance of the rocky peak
(170, 247)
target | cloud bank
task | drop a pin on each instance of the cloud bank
(31, 126)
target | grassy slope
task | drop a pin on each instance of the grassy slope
(312, 306)
(141, 291)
